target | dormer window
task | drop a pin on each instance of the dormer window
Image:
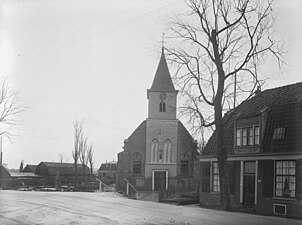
(247, 136)
(162, 106)
(279, 133)
(257, 135)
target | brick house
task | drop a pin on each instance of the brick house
(13, 179)
(61, 173)
(264, 154)
(30, 168)
(160, 152)
(107, 172)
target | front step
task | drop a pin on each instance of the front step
(246, 209)
(149, 196)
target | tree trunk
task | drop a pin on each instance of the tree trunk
(225, 200)
(75, 174)
(220, 147)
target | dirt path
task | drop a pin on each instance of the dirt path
(68, 208)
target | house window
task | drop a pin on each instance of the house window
(250, 135)
(215, 177)
(244, 136)
(285, 179)
(257, 135)
(184, 167)
(137, 168)
(247, 136)
(238, 137)
(279, 133)
(162, 106)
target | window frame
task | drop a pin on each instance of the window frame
(135, 165)
(247, 136)
(285, 167)
(184, 167)
(215, 177)
(162, 106)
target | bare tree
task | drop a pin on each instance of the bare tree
(11, 108)
(61, 157)
(21, 166)
(221, 44)
(90, 158)
(83, 153)
(78, 133)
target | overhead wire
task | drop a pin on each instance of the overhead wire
(79, 30)
(110, 29)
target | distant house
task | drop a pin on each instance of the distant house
(9, 179)
(62, 169)
(263, 138)
(60, 173)
(107, 172)
(30, 168)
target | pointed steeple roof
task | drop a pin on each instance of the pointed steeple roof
(162, 80)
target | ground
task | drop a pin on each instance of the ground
(30, 207)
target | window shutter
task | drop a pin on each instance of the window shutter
(299, 179)
(205, 176)
(231, 176)
(268, 178)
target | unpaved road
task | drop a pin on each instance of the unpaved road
(29, 208)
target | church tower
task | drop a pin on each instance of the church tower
(161, 128)
(160, 152)
(162, 94)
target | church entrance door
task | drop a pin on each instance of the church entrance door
(159, 180)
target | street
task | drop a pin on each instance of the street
(30, 207)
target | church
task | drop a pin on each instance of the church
(160, 153)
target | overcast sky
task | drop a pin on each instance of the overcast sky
(94, 60)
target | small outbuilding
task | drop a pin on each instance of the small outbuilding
(13, 179)
(107, 172)
(29, 168)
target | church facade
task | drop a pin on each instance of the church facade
(160, 153)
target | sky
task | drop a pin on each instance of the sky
(94, 61)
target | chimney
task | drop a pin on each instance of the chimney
(258, 91)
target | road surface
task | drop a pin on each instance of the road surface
(68, 208)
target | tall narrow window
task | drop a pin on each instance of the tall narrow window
(184, 167)
(162, 106)
(184, 164)
(160, 156)
(250, 140)
(238, 137)
(285, 179)
(154, 150)
(137, 167)
(215, 177)
(137, 163)
(167, 151)
(244, 136)
(256, 135)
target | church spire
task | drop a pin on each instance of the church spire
(162, 80)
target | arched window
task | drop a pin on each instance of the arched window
(162, 106)
(160, 156)
(137, 163)
(184, 164)
(154, 150)
(168, 151)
